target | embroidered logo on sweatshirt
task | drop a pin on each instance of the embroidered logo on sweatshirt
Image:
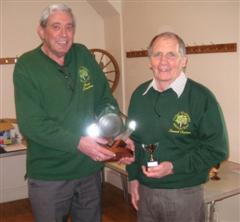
(180, 123)
(85, 78)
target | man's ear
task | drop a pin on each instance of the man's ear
(40, 32)
(150, 66)
(184, 61)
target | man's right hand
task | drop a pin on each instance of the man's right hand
(92, 147)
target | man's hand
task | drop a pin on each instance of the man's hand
(130, 144)
(134, 190)
(163, 169)
(128, 160)
(92, 147)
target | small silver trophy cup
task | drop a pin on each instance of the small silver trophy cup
(150, 149)
(110, 125)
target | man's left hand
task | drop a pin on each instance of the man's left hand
(163, 169)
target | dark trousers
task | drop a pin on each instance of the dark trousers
(54, 201)
(171, 205)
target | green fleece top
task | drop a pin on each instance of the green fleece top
(54, 106)
(189, 129)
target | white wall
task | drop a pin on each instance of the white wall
(110, 12)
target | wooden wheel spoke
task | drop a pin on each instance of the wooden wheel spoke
(101, 58)
(106, 61)
(107, 64)
(110, 71)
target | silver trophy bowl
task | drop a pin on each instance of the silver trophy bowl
(110, 125)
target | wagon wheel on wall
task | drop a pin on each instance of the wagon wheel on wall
(108, 65)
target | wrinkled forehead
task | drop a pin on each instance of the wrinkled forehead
(166, 44)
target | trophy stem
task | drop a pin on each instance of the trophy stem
(151, 157)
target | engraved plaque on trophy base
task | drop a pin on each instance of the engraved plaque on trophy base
(152, 164)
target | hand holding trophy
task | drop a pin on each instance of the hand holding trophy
(150, 149)
(110, 125)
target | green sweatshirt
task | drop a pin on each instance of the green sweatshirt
(54, 106)
(190, 131)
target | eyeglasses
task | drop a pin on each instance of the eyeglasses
(168, 55)
(67, 77)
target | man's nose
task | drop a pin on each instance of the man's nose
(63, 31)
(163, 58)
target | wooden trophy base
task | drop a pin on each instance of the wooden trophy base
(120, 149)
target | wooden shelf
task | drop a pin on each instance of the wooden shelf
(199, 49)
(8, 60)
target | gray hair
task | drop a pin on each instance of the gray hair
(53, 8)
(169, 35)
